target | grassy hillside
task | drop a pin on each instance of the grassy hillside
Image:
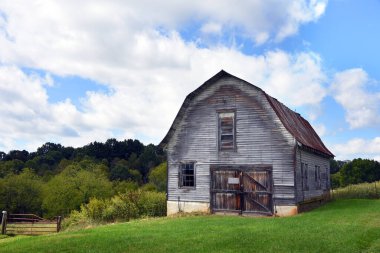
(341, 226)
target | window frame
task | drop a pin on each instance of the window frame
(219, 132)
(317, 177)
(182, 167)
(305, 176)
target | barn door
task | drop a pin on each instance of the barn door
(226, 193)
(242, 191)
(257, 191)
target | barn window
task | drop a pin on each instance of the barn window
(187, 175)
(305, 176)
(226, 131)
(317, 177)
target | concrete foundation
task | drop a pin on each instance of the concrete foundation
(174, 207)
(283, 211)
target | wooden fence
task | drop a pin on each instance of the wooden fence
(28, 224)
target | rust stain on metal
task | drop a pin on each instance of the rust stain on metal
(298, 127)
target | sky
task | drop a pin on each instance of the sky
(74, 72)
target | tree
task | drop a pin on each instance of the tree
(72, 187)
(21, 193)
(148, 159)
(120, 170)
(358, 171)
(158, 176)
(2, 155)
(11, 167)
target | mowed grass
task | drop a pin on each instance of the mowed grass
(340, 226)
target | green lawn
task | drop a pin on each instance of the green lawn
(341, 226)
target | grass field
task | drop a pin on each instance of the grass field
(340, 226)
(358, 191)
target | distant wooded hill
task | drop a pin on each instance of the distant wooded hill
(55, 179)
(118, 156)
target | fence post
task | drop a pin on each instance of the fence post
(59, 219)
(4, 223)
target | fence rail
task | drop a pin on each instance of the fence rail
(28, 224)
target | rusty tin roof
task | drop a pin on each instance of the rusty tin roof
(299, 127)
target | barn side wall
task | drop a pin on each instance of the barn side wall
(261, 139)
(313, 192)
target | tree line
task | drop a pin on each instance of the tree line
(357, 171)
(54, 180)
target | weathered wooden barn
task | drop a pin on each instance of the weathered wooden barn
(233, 148)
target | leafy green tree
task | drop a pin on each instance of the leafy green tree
(148, 159)
(335, 165)
(21, 193)
(72, 187)
(124, 186)
(358, 171)
(11, 167)
(120, 170)
(158, 176)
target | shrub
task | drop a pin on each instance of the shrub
(152, 204)
(77, 219)
(121, 207)
(95, 209)
(149, 187)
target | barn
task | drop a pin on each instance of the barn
(232, 148)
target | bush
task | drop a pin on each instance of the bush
(152, 204)
(95, 209)
(121, 207)
(149, 187)
(77, 219)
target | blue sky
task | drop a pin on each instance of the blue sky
(74, 72)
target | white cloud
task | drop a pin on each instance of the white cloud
(362, 107)
(211, 28)
(145, 101)
(358, 147)
(134, 49)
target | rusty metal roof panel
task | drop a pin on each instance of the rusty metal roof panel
(299, 127)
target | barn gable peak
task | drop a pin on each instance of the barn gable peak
(299, 127)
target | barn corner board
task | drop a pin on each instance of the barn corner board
(232, 148)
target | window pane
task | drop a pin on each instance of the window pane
(226, 131)
(187, 175)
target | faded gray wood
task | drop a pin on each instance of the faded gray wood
(260, 139)
(4, 223)
(303, 156)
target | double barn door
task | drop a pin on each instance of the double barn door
(241, 190)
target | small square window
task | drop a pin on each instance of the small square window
(187, 175)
